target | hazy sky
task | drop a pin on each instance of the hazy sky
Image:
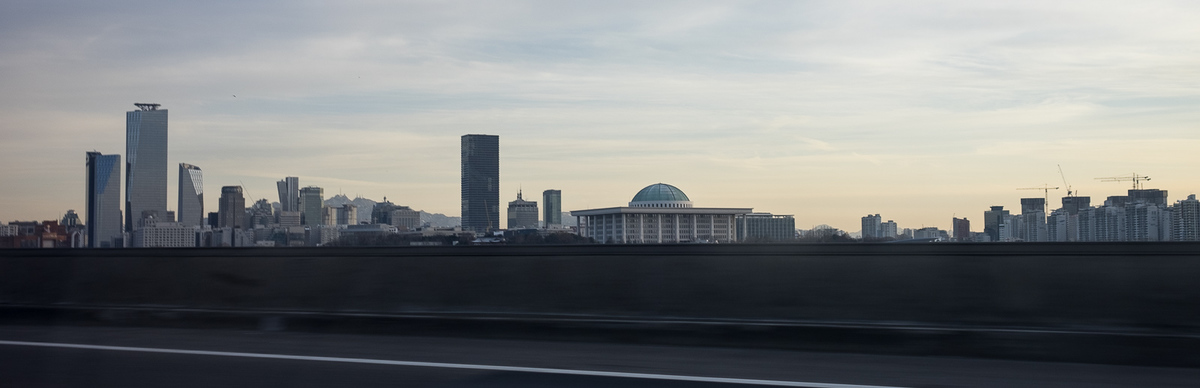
(919, 111)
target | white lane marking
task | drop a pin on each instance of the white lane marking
(777, 383)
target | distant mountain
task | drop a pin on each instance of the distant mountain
(440, 220)
(365, 206)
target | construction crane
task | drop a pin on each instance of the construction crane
(1064, 178)
(1046, 188)
(1135, 178)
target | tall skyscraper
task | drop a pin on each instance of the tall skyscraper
(522, 214)
(872, 227)
(191, 196)
(103, 200)
(552, 210)
(480, 182)
(961, 229)
(993, 220)
(289, 194)
(312, 205)
(145, 164)
(232, 208)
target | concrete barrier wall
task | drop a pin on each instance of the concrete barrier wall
(1150, 285)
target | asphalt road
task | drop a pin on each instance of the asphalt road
(125, 357)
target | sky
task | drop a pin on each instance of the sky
(829, 111)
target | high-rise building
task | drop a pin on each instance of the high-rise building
(872, 227)
(289, 194)
(103, 200)
(347, 214)
(889, 229)
(191, 195)
(522, 214)
(232, 208)
(480, 182)
(1154, 196)
(145, 164)
(1033, 220)
(1185, 220)
(961, 229)
(312, 203)
(993, 220)
(552, 208)
(1073, 204)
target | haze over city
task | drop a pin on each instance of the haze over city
(827, 111)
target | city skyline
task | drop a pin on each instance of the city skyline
(826, 111)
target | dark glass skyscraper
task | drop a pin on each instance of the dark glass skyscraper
(145, 164)
(191, 196)
(480, 182)
(231, 207)
(103, 200)
(552, 210)
(289, 194)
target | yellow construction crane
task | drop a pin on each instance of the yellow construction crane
(1046, 188)
(1135, 178)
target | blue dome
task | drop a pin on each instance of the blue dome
(660, 192)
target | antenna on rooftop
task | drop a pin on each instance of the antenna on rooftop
(146, 106)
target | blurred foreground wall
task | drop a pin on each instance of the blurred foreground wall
(1130, 285)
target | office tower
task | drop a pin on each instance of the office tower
(552, 212)
(480, 182)
(145, 164)
(260, 213)
(158, 234)
(103, 200)
(214, 220)
(381, 213)
(191, 195)
(289, 194)
(993, 220)
(405, 218)
(232, 208)
(961, 229)
(312, 204)
(872, 227)
(347, 214)
(522, 214)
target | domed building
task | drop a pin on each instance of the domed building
(660, 213)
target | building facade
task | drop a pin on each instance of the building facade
(155, 234)
(289, 194)
(103, 212)
(522, 214)
(1185, 220)
(191, 195)
(480, 183)
(872, 227)
(766, 227)
(552, 209)
(312, 206)
(145, 164)
(659, 214)
(231, 209)
(347, 214)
